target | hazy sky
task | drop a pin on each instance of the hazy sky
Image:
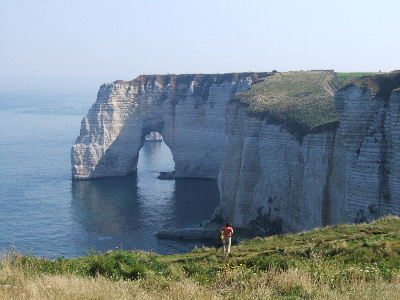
(84, 43)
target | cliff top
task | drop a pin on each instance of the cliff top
(303, 100)
(199, 79)
(298, 100)
(381, 84)
(202, 82)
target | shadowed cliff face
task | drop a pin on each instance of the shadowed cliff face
(274, 174)
(366, 178)
(346, 171)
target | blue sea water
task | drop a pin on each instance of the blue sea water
(45, 213)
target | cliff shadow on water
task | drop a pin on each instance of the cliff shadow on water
(130, 211)
(114, 205)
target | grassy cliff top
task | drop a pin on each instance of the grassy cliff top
(304, 98)
(335, 262)
(381, 84)
(299, 100)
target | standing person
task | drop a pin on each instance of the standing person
(227, 231)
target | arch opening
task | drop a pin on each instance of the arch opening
(155, 156)
(160, 153)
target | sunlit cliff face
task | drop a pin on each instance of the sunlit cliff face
(187, 110)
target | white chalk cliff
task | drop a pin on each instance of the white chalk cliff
(270, 179)
(187, 110)
(153, 136)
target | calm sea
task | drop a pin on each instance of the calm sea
(45, 213)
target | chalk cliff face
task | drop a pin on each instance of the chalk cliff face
(365, 180)
(345, 171)
(270, 179)
(187, 110)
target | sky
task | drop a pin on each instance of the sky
(74, 44)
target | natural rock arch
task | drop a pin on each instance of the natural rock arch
(187, 110)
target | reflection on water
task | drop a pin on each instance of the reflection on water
(104, 206)
(131, 210)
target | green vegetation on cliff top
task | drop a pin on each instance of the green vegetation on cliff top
(300, 100)
(381, 84)
(304, 97)
(336, 262)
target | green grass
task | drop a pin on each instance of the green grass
(298, 101)
(332, 262)
(338, 247)
(351, 75)
(381, 84)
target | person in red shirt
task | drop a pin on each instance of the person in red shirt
(227, 231)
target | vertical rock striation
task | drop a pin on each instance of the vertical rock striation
(366, 178)
(269, 181)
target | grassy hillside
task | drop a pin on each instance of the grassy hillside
(298, 100)
(336, 262)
